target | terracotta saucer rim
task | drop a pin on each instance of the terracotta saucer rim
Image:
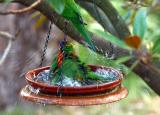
(90, 89)
(121, 93)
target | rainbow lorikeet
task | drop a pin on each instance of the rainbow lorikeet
(68, 64)
(70, 11)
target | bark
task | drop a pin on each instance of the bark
(24, 55)
(21, 58)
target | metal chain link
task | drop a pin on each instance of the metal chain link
(46, 45)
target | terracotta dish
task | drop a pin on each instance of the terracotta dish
(84, 90)
(74, 100)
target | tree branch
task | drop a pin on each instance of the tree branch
(148, 72)
(113, 16)
(19, 11)
(10, 38)
(99, 15)
(102, 45)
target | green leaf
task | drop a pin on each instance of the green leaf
(57, 5)
(156, 47)
(111, 39)
(123, 59)
(6, 1)
(70, 68)
(140, 23)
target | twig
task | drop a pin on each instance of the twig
(10, 38)
(26, 9)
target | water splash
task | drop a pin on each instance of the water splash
(33, 90)
(69, 82)
(107, 76)
(43, 77)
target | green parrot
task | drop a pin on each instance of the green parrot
(68, 64)
(71, 11)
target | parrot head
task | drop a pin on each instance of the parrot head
(66, 47)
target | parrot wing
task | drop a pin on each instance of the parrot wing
(71, 11)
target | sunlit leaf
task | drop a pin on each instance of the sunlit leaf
(133, 41)
(57, 5)
(140, 23)
(111, 38)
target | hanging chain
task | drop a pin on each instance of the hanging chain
(46, 45)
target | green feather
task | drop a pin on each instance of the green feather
(56, 77)
(71, 12)
(71, 67)
(93, 76)
(54, 66)
(83, 31)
